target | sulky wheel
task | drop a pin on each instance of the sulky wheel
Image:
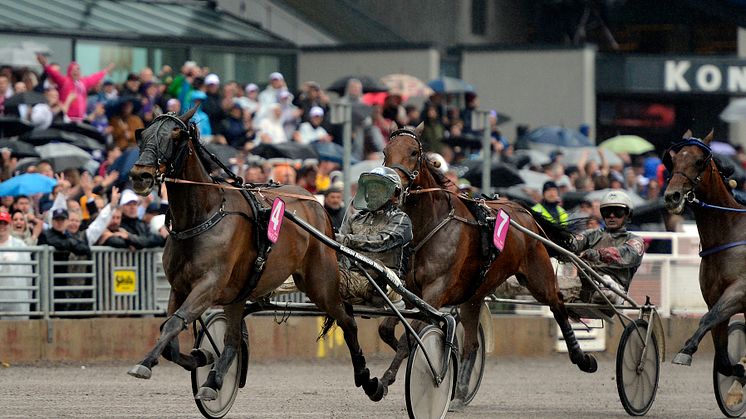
(636, 381)
(425, 398)
(216, 324)
(736, 349)
(475, 379)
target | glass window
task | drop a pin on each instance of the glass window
(93, 56)
(478, 17)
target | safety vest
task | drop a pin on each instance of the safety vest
(546, 214)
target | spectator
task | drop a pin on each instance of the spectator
(249, 102)
(233, 128)
(10, 270)
(271, 93)
(200, 117)
(212, 103)
(307, 177)
(73, 84)
(549, 207)
(284, 173)
(124, 125)
(114, 235)
(312, 96)
(312, 130)
(433, 131)
(138, 233)
(25, 227)
(109, 91)
(181, 86)
(5, 92)
(290, 113)
(334, 205)
(270, 129)
(173, 105)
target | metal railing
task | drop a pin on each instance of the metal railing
(120, 282)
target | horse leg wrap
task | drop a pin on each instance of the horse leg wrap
(735, 392)
(362, 377)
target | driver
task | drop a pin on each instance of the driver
(380, 231)
(613, 252)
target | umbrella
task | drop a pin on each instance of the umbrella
(377, 98)
(64, 156)
(287, 150)
(735, 111)
(370, 85)
(114, 107)
(501, 175)
(446, 84)
(517, 193)
(18, 149)
(330, 152)
(27, 184)
(123, 164)
(407, 86)
(573, 155)
(11, 126)
(558, 136)
(364, 166)
(534, 179)
(50, 135)
(631, 144)
(17, 56)
(535, 157)
(25, 98)
(722, 148)
(223, 152)
(470, 141)
(81, 128)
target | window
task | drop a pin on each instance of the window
(478, 17)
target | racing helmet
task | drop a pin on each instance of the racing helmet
(375, 188)
(617, 198)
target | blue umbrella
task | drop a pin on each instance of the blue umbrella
(559, 136)
(330, 151)
(27, 184)
(123, 164)
(446, 84)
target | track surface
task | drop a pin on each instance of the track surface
(512, 388)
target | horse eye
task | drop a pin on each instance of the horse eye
(414, 153)
(700, 162)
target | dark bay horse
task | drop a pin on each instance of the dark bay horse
(209, 259)
(447, 264)
(697, 178)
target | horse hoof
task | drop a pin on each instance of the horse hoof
(457, 405)
(375, 390)
(202, 357)
(206, 393)
(589, 365)
(682, 359)
(140, 371)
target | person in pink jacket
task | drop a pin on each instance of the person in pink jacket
(73, 84)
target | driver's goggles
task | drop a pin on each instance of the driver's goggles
(617, 212)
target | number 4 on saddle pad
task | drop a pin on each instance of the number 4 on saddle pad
(275, 220)
(502, 223)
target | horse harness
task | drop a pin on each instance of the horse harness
(261, 212)
(690, 196)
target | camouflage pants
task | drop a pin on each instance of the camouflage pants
(355, 288)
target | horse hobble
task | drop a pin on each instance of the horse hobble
(217, 255)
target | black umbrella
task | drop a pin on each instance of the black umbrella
(370, 85)
(18, 149)
(81, 128)
(114, 107)
(12, 126)
(287, 150)
(223, 152)
(501, 175)
(469, 141)
(25, 98)
(49, 135)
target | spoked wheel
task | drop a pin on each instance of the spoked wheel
(736, 349)
(217, 325)
(637, 377)
(475, 379)
(425, 398)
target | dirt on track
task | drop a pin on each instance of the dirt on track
(511, 388)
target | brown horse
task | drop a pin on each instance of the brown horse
(697, 178)
(447, 266)
(214, 258)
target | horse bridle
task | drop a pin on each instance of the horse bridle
(154, 147)
(668, 163)
(411, 175)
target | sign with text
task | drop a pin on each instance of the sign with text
(502, 223)
(275, 220)
(124, 281)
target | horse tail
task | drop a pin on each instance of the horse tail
(328, 324)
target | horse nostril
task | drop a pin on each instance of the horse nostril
(676, 196)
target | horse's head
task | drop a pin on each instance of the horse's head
(404, 153)
(159, 149)
(686, 162)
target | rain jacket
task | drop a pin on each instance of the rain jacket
(620, 252)
(380, 235)
(67, 85)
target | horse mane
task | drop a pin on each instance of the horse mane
(204, 157)
(438, 175)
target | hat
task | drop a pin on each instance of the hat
(4, 216)
(284, 94)
(198, 95)
(133, 77)
(108, 82)
(60, 213)
(316, 111)
(212, 78)
(276, 76)
(549, 185)
(128, 196)
(251, 87)
(336, 187)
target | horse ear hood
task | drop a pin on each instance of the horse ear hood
(708, 139)
(687, 134)
(188, 115)
(419, 129)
